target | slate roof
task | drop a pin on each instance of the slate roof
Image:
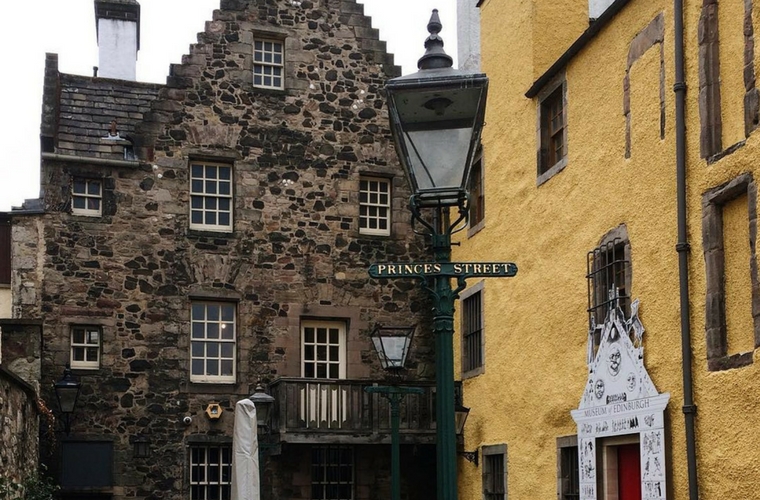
(87, 108)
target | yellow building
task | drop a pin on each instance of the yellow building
(620, 362)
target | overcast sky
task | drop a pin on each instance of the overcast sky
(168, 27)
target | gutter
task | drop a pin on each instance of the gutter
(91, 160)
(682, 247)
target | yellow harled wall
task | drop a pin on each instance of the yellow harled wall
(536, 323)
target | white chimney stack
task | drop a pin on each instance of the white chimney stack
(118, 25)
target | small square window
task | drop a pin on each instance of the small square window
(85, 347)
(211, 197)
(268, 64)
(375, 206)
(87, 197)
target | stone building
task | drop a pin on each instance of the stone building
(200, 237)
(618, 172)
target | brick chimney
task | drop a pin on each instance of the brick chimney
(118, 28)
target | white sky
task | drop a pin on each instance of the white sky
(168, 27)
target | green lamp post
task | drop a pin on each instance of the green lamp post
(392, 346)
(436, 117)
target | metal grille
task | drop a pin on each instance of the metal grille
(332, 473)
(494, 483)
(210, 472)
(608, 274)
(569, 473)
(472, 332)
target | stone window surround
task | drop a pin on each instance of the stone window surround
(713, 201)
(556, 82)
(711, 125)
(478, 287)
(647, 38)
(399, 213)
(495, 449)
(87, 172)
(62, 329)
(389, 181)
(271, 33)
(355, 341)
(564, 442)
(328, 362)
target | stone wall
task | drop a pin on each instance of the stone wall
(19, 427)
(295, 250)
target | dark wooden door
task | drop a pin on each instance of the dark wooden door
(629, 472)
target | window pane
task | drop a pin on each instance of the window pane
(93, 188)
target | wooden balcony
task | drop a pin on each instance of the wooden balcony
(339, 411)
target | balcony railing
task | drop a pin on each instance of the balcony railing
(312, 410)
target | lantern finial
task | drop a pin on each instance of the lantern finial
(435, 57)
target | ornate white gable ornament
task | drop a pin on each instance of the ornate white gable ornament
(621, 399)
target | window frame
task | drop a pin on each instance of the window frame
(206, 340)
(87, 196)
(264, 39)
(476, 188)
(567, 446)
(379, 206)
(477, 290)
(203, 195)
(548, 167)
(224, 467)
(342, 340)
(327, 466)
(490, 452)
(85, 364)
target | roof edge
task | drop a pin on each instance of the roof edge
(576, 47)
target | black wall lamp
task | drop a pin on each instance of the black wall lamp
(67, 393)
(460, 414)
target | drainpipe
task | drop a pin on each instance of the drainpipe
(682, 247)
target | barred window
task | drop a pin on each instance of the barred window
(85, 347)
(211, 196)
(568, 481)
(210, 472)
(268, 64)
(332, 473)
(375, 206)
(608, 280)
(472, 330)
(213, 342)
(87, 197)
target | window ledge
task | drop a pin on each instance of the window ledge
(211, 388)
(739, 360)
(472, 231)
(554, 170)
(204, 233)
(474, 372)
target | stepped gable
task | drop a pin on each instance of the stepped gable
(335, 72)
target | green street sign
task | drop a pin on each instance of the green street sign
(423, 270)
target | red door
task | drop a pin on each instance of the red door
(629, 472)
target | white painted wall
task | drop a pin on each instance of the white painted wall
(597, 7)
(468, 35)
(117, 46)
